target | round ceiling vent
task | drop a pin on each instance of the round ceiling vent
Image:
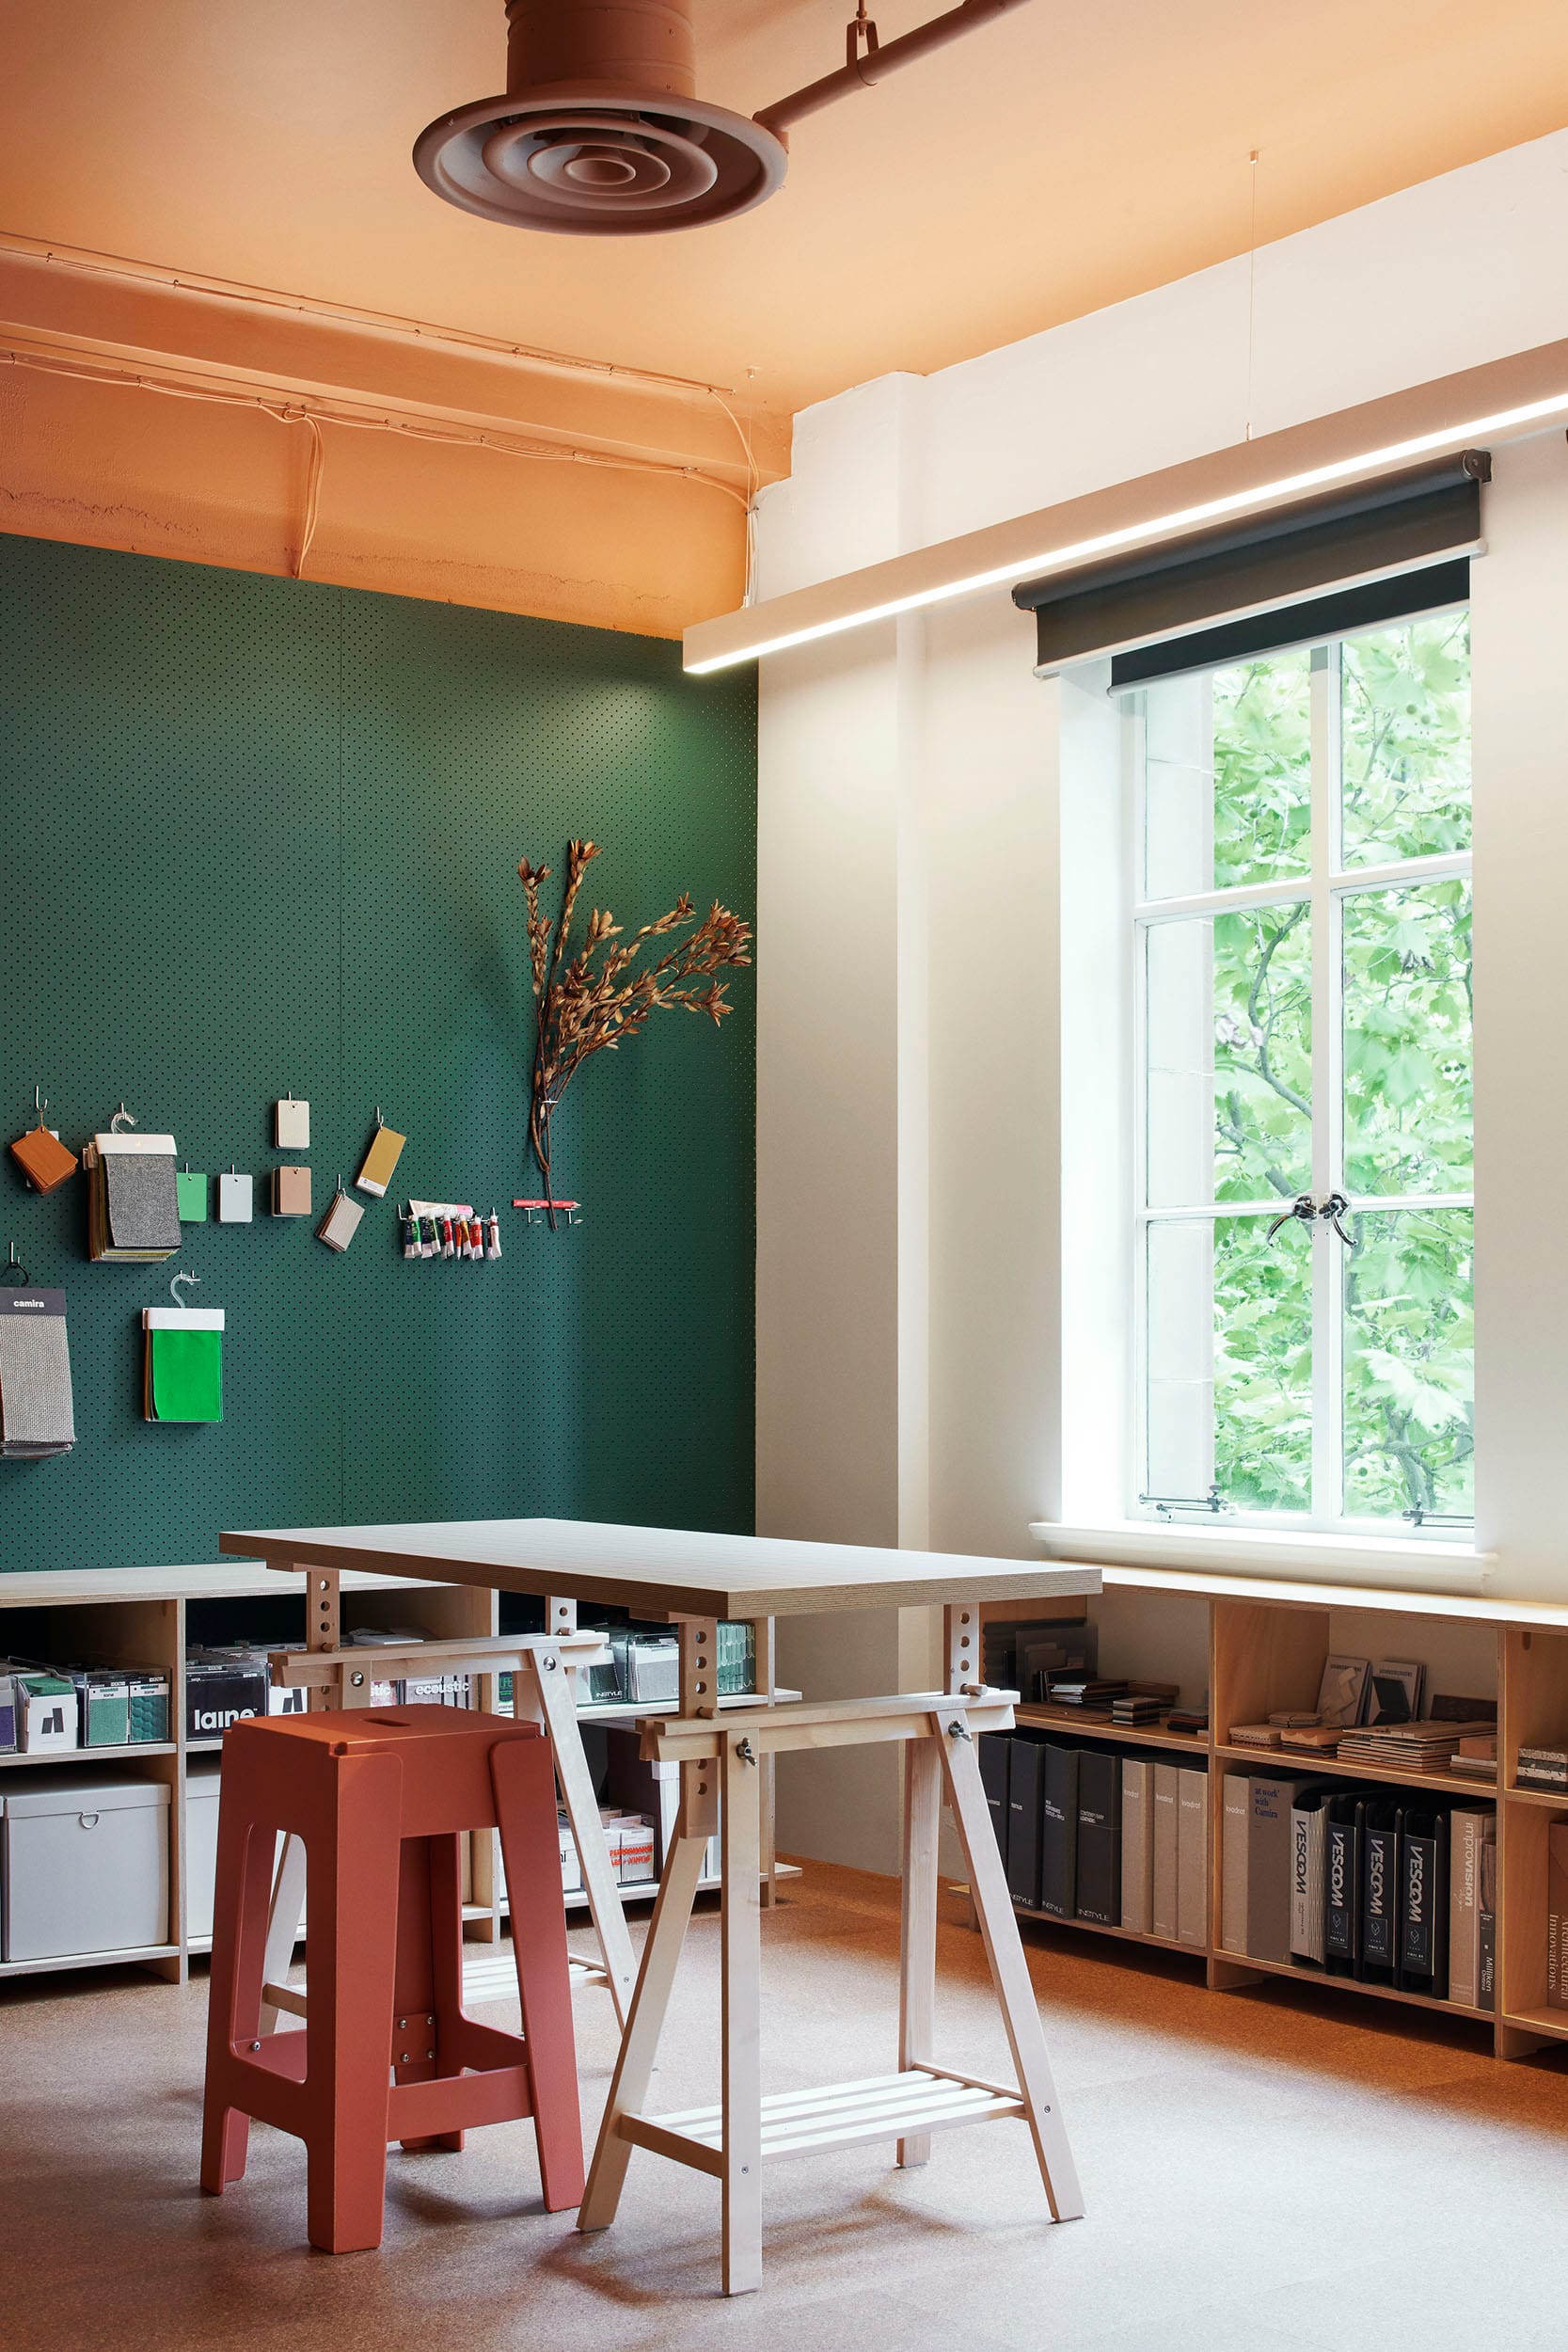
(600, 132)
(589, 163)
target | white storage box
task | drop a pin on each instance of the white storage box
(87, 1866)
(203, 1783)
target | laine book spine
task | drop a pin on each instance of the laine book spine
(1557, 1915)
(1234, 1853)
(1267, 1934)
(1192, 1870)
(1424, 1914)
(1059, 1892)
(1308, 1856)
(1468, 1834)
(1380, 1890)
(1343, 1884)
(1099, 1836)
(1166, 1784)
(995, 1752)
(1138, 1843)
(1025, 1763)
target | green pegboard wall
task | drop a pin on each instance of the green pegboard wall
(261, 835)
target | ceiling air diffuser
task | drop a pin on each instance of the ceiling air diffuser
(600, 131)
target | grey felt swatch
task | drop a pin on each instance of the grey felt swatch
(144, 1200)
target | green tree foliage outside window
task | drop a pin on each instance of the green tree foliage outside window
(1404, 991)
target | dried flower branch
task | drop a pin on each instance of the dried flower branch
(586, 1003)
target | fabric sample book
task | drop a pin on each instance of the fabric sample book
(37, 1412)
(133, 1199)
(183, 1364)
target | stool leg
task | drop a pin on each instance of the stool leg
(917, 1966)
(353, 1892)
(417, 2022)
(244, 1874)
(522, 1774)
(741, 1829)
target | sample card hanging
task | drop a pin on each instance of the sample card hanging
(341, 1221)
(291, 1125)
(133, 1199)
(182, 1364)
(234, 1199)
(191, 1192)
(36, 1411)
(385, 1149)
(42, 1158)
(291, 1192)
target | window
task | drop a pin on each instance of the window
(1302, 1163)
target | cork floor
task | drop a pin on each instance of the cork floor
(1264, 2173)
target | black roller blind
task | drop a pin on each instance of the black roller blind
(1345, 560)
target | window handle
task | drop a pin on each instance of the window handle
(1308, 1211)
(1303, 1206)
(1334, 1208)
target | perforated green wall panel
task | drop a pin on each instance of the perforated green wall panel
(261, 836)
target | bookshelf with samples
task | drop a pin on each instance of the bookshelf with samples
(159, 1624)
(1493, 1675)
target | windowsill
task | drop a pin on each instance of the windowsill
(1402, 1562)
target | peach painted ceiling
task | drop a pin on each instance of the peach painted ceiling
(1059, 159)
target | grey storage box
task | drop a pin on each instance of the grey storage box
(87, 1866)
(203, 1781)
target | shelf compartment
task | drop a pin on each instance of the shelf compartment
(123, 1752)
(89, 1960)
(1286, 1761)
(1104, 1927)
(1032, 1716)
(1321, 1981)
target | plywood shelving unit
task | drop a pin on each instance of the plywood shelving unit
(1260, 1643)
(143, 1616)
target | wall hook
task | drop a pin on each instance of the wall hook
(15, 1271)
(41, 1103)
(121, 1113)
(174, 1288)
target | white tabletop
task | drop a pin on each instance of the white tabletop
(659, 1569)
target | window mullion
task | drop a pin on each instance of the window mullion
(1327, 1094)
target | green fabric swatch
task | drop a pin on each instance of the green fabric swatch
(187, 1375)
(191, 1192)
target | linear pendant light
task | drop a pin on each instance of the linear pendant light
(1502, 400)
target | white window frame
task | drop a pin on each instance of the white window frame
(1327, 885)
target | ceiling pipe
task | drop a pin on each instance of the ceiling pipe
(865, 72)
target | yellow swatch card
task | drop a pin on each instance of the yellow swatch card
(380, 1160)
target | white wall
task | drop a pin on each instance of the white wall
(928, 1251)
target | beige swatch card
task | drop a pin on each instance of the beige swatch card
(291, 1126)
(340, 1223)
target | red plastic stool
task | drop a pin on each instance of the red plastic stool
(380, 1798)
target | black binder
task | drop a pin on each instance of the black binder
(1099, 1836)
(1025, 1762)
(1424, 1904)
(995, 1752)
(1342, 1884)
(1059, 1832)
(1382, 1862)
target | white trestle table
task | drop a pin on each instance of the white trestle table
(725, 1754)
